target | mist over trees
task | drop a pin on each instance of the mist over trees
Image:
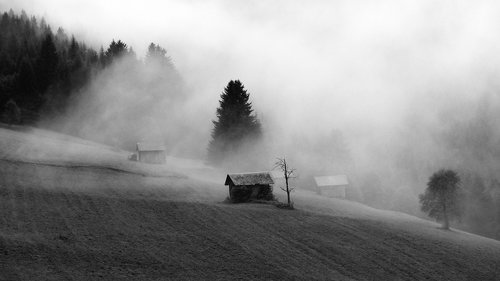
(462, 134)
(113, 97)
(116, 50)
(481, 204)
(236, 125)
(130, 100)
(40, 69)
(109, 96)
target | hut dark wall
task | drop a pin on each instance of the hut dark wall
(245, 193)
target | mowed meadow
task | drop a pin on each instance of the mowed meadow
(71, 209)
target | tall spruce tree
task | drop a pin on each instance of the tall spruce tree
(115, 50)
(26, 90)
(47, 63)
(157, 55)
(235, 125)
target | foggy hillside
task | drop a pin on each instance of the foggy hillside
(388, 113)
(64, 221)
(385, 93)
(387, 100)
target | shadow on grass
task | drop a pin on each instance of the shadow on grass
(273, 202)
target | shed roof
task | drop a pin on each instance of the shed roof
(150, 146)
(331, 180)
(249, 178)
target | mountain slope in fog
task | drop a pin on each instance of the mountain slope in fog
(64, 221)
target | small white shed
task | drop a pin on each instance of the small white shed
(332, 186)
(153, 153)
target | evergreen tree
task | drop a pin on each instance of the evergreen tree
(73, 48)
(47, 63)
(158, 55)
(102, 57)
(159, 69)
(235, 123)
(26, 86)
(441, 199)
(115, 50)
(61, 36)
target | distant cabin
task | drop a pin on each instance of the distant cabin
(332, 186)
(247, 186)
(153, 153)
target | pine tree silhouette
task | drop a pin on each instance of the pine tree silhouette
(235, 123)
(47, 63)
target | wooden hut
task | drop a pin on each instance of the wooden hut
(247, 186)
(153, 153)
(332, 186)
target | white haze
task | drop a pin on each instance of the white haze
(393, 77)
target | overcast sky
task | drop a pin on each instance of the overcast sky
(315, 65)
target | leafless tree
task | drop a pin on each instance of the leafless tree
(288, 173)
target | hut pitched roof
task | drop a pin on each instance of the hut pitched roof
(331, 180)
(150, 146)
(249, 178)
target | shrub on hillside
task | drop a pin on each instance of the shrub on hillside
(11, 113)
(285, 206)
(442, 198)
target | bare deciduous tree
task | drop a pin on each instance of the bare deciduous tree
(288, 173)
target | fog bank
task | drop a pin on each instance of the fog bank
(385, 92)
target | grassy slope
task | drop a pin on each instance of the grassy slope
(84, 222)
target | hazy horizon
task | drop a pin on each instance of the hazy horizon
(342, 65)
(408, 86)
